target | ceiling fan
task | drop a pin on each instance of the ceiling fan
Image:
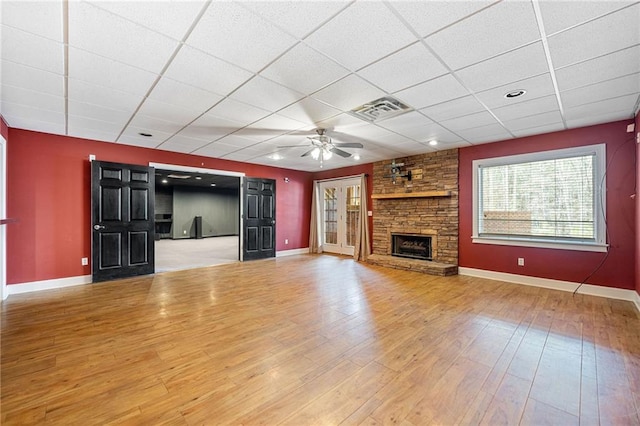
(323, 147)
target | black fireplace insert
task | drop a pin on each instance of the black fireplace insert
(411, 245)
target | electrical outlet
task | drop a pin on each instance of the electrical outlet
(521, 261)
(85, 261)
(286, 241)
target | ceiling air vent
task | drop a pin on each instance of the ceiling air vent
(380, 109)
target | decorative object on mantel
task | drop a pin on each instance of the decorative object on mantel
(424, 194)
(397, 172)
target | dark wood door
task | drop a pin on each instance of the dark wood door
(259, 218)
(122, 199)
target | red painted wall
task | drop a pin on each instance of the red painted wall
(49, 189)
(353, 171)
(637, 194)
(618, 269)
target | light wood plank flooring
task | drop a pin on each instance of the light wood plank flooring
(317, 340)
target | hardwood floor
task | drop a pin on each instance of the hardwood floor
(308, 340)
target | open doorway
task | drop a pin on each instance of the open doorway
(197, 218)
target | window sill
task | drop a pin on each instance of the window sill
(593, 247)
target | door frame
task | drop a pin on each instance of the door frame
(341, 183)
(190, 169)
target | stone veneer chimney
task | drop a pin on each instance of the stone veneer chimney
(426, 205)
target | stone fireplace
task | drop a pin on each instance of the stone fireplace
(424, 208)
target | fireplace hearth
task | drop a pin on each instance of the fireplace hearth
(411, 245)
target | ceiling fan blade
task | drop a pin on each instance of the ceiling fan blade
(348, 145)
(293, 146)
(340, 152)
(308, 152)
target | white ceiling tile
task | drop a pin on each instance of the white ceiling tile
(497, 29)
(220, 77)
(168, 112)
(99, 112)
(470, 121)
(218, 149)
(304, 70)
(298, 18)
(257, 134)
(485, 134)
(441, 89)
(405, 121)
(210, 127)
(556, 16)
(238, 112)
(361, 34)
(412, 148)
(349, 93)
(31, 50)
(233, 33)
(526, 108)
(170, 17)
(103, 96)
(131, 136)
(550, 118)
(103, 33)
(450, 145)
(94, 69)
(79, 125)
(547, 128)
(598, 117)
(608, 89)
(372, 133)
(411, 65)
(153, 125)
(340, 122)
(91, 133)
(600, 37)
(265, 94)
(455, 108)
(599, 69)
(621, 107)
(184, 95)
(181, 143)
(510, 67)
(27, 122)
(427, 17)
(277, 122)
(14, 74)
(43, 18)
(38, 100)
(32, 114)
(309, 111)
(536, 87)
(245, 154)
(287, 140)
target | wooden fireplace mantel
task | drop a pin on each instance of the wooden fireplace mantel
(426, 194)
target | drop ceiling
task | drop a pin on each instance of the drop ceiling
(239, 79)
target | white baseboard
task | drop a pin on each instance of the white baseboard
(48, 284)
(590, 289)
(292, 252)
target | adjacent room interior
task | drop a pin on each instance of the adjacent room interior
(420, 212)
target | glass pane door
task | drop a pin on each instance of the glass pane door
(340, 210)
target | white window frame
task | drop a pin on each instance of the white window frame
(599, 244)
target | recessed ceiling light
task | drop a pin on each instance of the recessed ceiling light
(515, 93)
(198, 178)
(165, 181)
(433, 143)
(276, 156)
(356, 157)
(213, 184)
(146, 135)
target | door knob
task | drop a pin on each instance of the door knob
(98, 227)
(273, 222)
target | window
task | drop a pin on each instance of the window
(551, 199)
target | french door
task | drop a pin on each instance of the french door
(339, 211)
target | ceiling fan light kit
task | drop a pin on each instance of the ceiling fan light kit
(323, 147)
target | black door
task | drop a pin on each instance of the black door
(122, 202)
(259, 218)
